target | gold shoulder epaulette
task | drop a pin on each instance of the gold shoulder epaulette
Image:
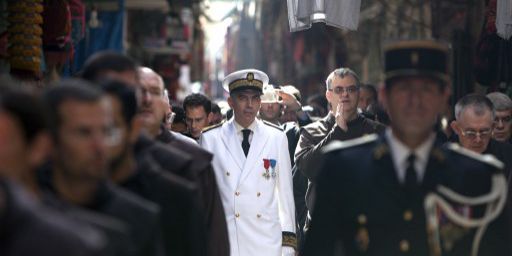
(211, 127)
(486, 158)
(337, 145)
(272, 125)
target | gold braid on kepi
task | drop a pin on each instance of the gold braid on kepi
(245, 79)
(290, 239)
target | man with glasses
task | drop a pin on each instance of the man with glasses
(503, 120)
(343, 122)
(474, 125)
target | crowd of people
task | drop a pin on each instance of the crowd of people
(105, 164)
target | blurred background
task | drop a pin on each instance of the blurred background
(193, 44)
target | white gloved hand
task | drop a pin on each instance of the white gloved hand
(288, 251)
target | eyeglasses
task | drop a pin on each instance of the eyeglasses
(504, 120)
(350, 89)
(473, 134)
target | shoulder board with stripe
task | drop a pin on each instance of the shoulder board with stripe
(211, 127)
(337, 145)
(486, 158)
(272, 125)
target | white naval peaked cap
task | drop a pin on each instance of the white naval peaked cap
(269, 94)
(245, 79)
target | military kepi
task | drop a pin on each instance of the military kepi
(245, 79)
(416, 57)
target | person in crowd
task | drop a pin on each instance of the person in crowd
(367, 97)
(474, 125)
(252, 166)
(216, 114)
(503, 119)
(179, 124)
(342, 123)
(200, 169)
(198, 112)
(166, 149)
(24, 148)
(271, 109)
(177, 198)
(371, 191)
(81, 127)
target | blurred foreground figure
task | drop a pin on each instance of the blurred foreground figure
(400, 192)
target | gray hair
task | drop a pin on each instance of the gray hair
(477, 102)
(500, 101)
(341, 73)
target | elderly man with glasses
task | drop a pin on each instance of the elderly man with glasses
(503, 119)
(475, 125)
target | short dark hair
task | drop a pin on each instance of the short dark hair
(24, 106)
(479, 102)
(104, 61)
(371, 88)
(179, 114)
(197, 100)
(70, 89)
(215, 108)
(126, 96)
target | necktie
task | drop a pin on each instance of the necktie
(245, 141)
(411, 177)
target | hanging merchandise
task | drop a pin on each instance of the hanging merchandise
(504, 18)
(25, 33)
(57, 32)
(338, 13)
(493, 56)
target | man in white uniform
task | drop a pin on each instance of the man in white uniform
(253, 171)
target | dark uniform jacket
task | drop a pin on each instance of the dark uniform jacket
(142, 217)
(362, 205)
(181, 217)
(27, 228)
(502, 151)
(201, 172)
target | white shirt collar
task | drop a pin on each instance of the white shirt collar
(400, 152)
(239, 129)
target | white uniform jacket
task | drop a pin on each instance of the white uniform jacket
(258, 201)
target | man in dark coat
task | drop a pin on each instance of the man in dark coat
(371, 191)
(342, 123)
(79, 123)
(182, 229)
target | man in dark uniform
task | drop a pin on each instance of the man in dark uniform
(80, 124)
(371, 191)
(182, 229)
(343, 122)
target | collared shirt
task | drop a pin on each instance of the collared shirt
(400, 152)
(239, 129)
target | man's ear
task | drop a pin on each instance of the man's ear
(455, 127)
(230, 102)
(135, 129)
(40, 149)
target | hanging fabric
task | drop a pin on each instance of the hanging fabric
(504, 19)
(338, 13)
